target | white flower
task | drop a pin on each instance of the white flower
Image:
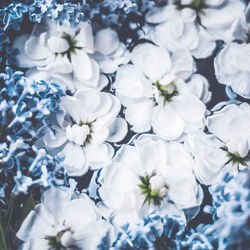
(210, 157)
(232, 68)
(227, 149)
(151, 175)
(87, 122)
(231, 125)
(63, 222)
(110, 52)
(59, 53)
(182, 31)
(155, 96)
(194, 25)
(199, 86)
(219, 17)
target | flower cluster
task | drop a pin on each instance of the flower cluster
(114, 132)
(230, 210)
(25, 107)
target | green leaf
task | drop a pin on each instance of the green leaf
(10, 211)
(3, 243)
(28, 206)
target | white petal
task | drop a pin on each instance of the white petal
(150, 152)
(241, 84)
(55, 139)
(183, 64)
(190, 108)
(99, 153)
(217, 122)
(35, 244)
(221, 17)
(85, 37)
(199, 87)
(188, 15)
(23, 59)
(206, 45)
(57, 44)
(75, 161)
(106, 41)
(131, 83)
(152, 60)
(99, 135)
(94, 81)
(82, 67)
(139, 116)
(118, 130)
(167, 123)
(89, 101)
(61, 64)
(72, 107)
(56, 208)
(76, 208)
(35, 49)
(32, 227)
(107, 118)
(214, 3)
(160, 14)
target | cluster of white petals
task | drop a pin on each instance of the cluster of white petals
(232, 68)
(110, 52)
(60, 53)
(194, 25)
(227, 148)
(63, 221)
(151, 175)
(155, 95)
(85, 124)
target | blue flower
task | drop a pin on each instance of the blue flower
(231, 215)
(156, 231)
(25, 108)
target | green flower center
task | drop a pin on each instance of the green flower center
(90, 125)
(72, 46)
(152, 196)
(166, 91)
(235, 157)
(197, 5)
(55, 241)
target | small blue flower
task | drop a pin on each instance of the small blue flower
(25, 108)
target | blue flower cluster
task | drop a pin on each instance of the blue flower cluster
(231, 215)
(156, 231)
(25, 107)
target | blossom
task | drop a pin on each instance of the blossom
(84, 126)
(21, 103)
(231, 126)
(230, 209)
(110, 52)
(62, 221)
(151, 175)
(182, 31)
(61, 51)
(227, 149)
(232, 67)
(154, 94)
(194, 25)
